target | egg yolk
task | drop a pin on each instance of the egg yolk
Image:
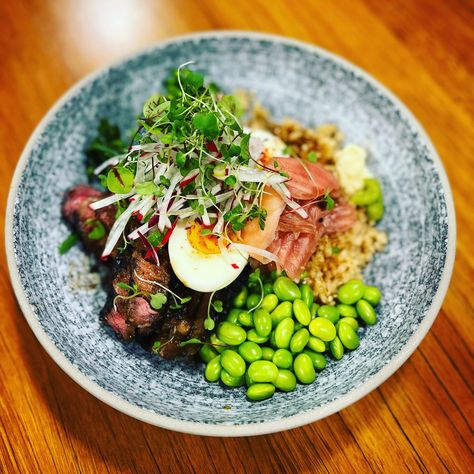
(206, 244)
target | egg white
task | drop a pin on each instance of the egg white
(271, 144)
(202, 272)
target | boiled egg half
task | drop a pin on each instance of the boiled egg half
(197, 260)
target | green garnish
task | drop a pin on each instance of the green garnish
(312, 157)
(98, 229)
(288, 150)
(329, 201)
(336, 250)
(120, 180)
(68, 243)
(193, 340)
(158, 300)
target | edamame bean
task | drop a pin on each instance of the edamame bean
(299, 340)
(252, 301)
(314, 310)
(319, 361)
(286, 289)
(240, 298)
(248, 380)
(375, 211)
(286, 381)
(217, 344)
(263, 371)
(282, 311)
(272, 340)
(230, 380)
(233, 363)
(270, 302)
(213, 369)
(323, 329)
(352, 322)
(369, 194)
(267, 353)
(260, 391)
(304, 369)
(336, 347)
(307, 294)
(207, 353)
(366, 312)
(351, 292)
(298, 326)
(372, 295)
(273, 275)
(246, 318)
(253, 336)
(329, 312)
(268, 288)
(263, 322)
(233, 316)
(347, 311)
(316, 344)
(231, 334)
(348, 336)
(301, 312)
(282, 358)
(283, 333)
(250, 351)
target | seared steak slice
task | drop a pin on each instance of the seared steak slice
(83, 219)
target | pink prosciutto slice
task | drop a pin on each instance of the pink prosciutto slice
(307, 180)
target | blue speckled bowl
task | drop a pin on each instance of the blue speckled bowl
(60, 296)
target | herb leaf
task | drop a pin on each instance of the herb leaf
(68, 243)
(120, 180)
(158, 300)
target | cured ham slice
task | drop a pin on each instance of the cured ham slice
(307, 180)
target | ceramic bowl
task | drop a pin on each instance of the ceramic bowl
(61, 296)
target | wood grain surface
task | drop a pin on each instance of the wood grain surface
(420, 420)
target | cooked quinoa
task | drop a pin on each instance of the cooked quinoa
(341, 257)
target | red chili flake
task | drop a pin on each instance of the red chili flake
(234, 265)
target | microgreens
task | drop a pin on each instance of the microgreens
(98, 229)
(68, 243)
(255, 282)
(329, 201)
(312, 157)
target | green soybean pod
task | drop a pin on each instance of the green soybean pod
(230, 380)
(329, 312)
(366, 312)
(213, 369)
(372, 295)
(348, 336)
(246, 318)
(260, 391)
(336, 347)
(253, 301)
(304, 369)
(231, 333)
(286, 289)
(316, 344)
(375, 211)
(253, 336)
(233, 316)
(282, 311)
(269, 302)
(262, 322)
(314, 310)
(217, 344)
(282, 358)
(319, 361)
(347, 311)
(299, 340)
(307, 294)
(352, 322)
(250, 351)
(283, 333)
(207, 353)
(233, 363)
(240, 298)
(286, 381)
(267, 353)
(267, 288)
(351, 292)
(302, 312)
(323, 329)
(263, 371)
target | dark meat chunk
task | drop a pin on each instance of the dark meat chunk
(77, 212)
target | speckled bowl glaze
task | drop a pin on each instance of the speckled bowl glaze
(61, 297)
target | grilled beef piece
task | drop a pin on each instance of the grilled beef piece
(83, 219)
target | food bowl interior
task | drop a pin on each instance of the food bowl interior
(291, 81)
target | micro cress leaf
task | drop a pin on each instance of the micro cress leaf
(120, 180)
(98, 229)
(207, 123)
(157, 300)
(312, 157)
(218, 306)
(124, 286)
(244, 147)
(193, 340)
(146, 188)
(68, 243)
(329, 201)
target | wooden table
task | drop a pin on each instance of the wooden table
(419, 420)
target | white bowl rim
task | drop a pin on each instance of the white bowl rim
(251, 429)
